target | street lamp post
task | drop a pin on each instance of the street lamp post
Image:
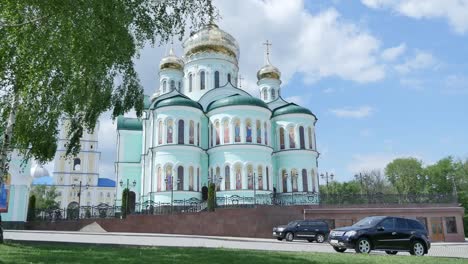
(128, 192)
(327, 178)
(79, 195)
(170, 180)
(254, 186)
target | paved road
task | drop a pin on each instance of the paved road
(459, 250)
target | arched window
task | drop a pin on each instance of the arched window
(284, 176)
(76, 164)
(179, 85)
(229, 77)
(301, 137)
(198, 134)
(310, 137)
(237, 131)
(250, 176)
(226, 131)
(181, 132)
(238, 170)
(267, 179)
(211, 136)
(202, 80)
(273, 94)
(164, 86)
(216, 79)
(191, 132)
(294, 179)
(159, 178)
(265, 94)
(190, 82)
(265, 132)
(180, 178)
(190, 173)
(172, 85)
(170, 131)
(292, 138)
(305, 187)
(218, 175)
(259, 131)
(198, 179)
(160, 131)
(314, 179)
(248, 129)
(227, 178)
(281, 132)
(169, 178)
(218, 139)
(260, 177)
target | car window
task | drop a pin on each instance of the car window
(401, 223)
(415, 225)
(369, 221)
(388, 223)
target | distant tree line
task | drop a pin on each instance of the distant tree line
(408, 176)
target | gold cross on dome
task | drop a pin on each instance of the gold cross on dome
(240, 81)
(267, 45)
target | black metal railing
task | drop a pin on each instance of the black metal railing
(194, 205)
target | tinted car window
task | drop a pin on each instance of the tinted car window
(388, 223)
(368, 221)
(412, 224)
(401, 223)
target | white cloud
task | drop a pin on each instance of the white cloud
(300, 100)
(421, 60)
(455, 84)
(393, 53)
(373, 161)
(359, 112)
(454, 11)
(412, 83)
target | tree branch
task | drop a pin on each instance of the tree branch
(4, 25)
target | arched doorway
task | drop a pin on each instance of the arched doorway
(73, 210)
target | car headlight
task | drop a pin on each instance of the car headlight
(350, 233)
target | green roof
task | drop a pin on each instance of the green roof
(146, 102)
(178, 100)
(126, 123)
(291, 108)
(237, 100)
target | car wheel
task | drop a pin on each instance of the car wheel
(341, 250)
(320, 238)
(310, 240)
(279, 238)
(363, 245)
(391, 252)
(417, 248)
(289, 236)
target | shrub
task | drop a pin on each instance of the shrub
(211, 198)
(204, 191)
(125, 209)
(31, 208)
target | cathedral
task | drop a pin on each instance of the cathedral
(200, 127)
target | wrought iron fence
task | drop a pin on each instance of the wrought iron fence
(235, 201)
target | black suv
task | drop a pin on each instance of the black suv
(302, 229)
(387, 233)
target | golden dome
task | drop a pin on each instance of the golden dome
(211, 39)
(171, 61)
(268, 71)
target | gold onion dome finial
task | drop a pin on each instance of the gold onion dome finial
(171, 61)
(211, 39)
(268, 70)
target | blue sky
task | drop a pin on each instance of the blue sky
(386, 78)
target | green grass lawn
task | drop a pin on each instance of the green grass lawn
(71, 253)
